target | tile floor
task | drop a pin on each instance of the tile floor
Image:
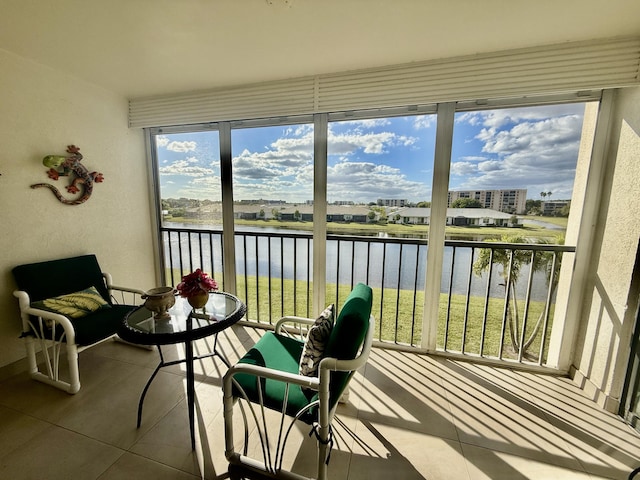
(409, 417)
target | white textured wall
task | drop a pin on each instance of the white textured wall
(608, 316)
(41, 112)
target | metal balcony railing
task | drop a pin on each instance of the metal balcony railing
(496, 302)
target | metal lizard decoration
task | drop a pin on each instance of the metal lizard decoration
(59, 165)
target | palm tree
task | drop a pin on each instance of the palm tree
(543, 194)
(549, 194)
(542, 261)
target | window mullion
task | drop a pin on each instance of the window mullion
(435, 252)
(228, 235)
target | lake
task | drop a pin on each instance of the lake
(372, 261)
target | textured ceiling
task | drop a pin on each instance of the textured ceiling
(149, 47)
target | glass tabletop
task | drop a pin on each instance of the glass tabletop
(185, 323)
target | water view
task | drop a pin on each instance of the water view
(380, 261)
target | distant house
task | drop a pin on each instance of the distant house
(460, 217)
(335, 213)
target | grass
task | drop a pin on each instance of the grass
(559, 221)
(395, 312)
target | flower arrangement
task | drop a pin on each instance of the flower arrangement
(196, 283)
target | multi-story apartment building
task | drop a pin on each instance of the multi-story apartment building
(392, 202)
(549, 208)
(508, 201)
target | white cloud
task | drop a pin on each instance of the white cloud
(525, 148)
(463, 168)
(500, 117)
(365, 180)
(489, 166)
(473, 158)
(185, 168)
(162, 140)
(186, 146)
(422, 122)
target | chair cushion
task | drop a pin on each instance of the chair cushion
(74, 305)
(279, 353)
(315, 342)
(96, 326)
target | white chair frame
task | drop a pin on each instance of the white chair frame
(35, 334)
(271, 463)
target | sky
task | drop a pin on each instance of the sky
(535, 148)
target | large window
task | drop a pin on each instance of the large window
(190, 197)
(272, 170)
(510, 176)
(511, 182)
(379, 178)
(189, 172)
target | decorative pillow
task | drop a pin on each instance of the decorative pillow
(74, 305)
(317, 337)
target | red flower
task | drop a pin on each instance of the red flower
(195, 283)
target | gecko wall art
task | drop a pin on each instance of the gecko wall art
(69, 166)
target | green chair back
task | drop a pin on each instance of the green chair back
(348, 334)
(52, 278)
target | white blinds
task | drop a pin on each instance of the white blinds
(561, 68)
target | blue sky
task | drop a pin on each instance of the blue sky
(534, 148)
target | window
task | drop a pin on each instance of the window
(506, 157)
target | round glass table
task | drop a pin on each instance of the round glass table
(184, 325)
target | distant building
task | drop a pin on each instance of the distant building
(508, 201)
(460, 217)
(549, 208)
(304, 212)
(392, 202)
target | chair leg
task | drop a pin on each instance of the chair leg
(51, 353)
(30, 345)
(227, 405)
(74, 374)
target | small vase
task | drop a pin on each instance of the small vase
(199, 300)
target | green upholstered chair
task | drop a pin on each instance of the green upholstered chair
(68, 303)
(268, 377)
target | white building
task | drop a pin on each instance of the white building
(392, 202)
(508, 201)
(460, 217)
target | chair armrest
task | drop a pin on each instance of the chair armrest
(111, 287)
(259, 371)
(26, 310)
(291, 320)
(127, 289)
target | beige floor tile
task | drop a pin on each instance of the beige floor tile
(489, 416)
(58, 454)
(169, 441)
(384, 452)
(408, 416)
(16, 429)
(494, 465)
(111, 412)
(404, 390)
(600, 441)
(131, 466)
(124, 352)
